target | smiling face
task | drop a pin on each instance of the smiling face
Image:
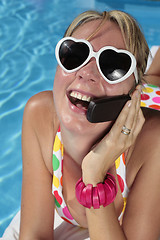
(73, 91)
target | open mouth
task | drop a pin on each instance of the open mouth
(79, 100)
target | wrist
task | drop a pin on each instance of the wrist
(103, 193)
(93, 174)
(93, 179)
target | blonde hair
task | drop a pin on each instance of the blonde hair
(133, 37)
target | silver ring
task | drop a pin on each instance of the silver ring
(126, 130)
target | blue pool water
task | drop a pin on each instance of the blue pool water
(29, 30)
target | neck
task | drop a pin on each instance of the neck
(79, 144)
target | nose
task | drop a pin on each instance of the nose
(89, 72)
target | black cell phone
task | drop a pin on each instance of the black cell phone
(106, 109)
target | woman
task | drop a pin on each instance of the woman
(89, 150)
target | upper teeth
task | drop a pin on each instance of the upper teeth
(80, 96)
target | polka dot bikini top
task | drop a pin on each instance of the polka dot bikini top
(149, 98)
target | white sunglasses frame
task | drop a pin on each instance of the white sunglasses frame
(96, 55)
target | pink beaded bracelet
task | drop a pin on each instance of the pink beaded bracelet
(103, 194)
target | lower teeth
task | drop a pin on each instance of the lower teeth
(79, 103)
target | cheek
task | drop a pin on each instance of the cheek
(58, 91)
(119, 88)
(58, 80)
(62, 80)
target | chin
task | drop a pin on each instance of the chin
(81, 126)
(75, 124)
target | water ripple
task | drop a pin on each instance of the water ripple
(29, 30)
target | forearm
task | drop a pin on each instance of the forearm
(35, 232)
(103, 224)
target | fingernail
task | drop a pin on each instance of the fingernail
(129, 103)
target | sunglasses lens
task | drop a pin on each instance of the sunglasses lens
(73, 54)
(114, 65)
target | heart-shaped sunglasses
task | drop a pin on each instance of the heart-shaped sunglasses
(115, 65)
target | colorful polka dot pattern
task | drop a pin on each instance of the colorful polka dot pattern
(150, 97)
(121, 176)
(57, 180)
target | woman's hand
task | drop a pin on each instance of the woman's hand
(102, 157)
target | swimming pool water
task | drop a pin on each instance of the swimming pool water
(29, 30)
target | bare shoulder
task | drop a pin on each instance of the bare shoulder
(150, 133)
(149, 139)
(143, 179)
(151, 128)
(146, 150)
(40, 103)
(40, 114)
